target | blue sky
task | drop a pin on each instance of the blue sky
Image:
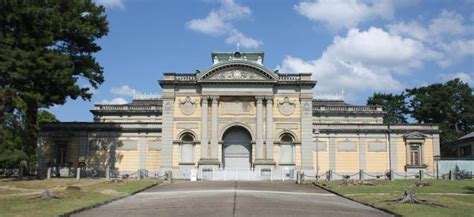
(359, 46)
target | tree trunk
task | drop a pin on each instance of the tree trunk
(31, 128)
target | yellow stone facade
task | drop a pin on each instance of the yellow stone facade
(272, 119)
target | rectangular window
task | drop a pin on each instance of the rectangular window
(466, 151)
(415, 155)
(61, 157)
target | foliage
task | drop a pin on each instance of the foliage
(46, 52)
(449, 105)
(394, 106)
(45, 116)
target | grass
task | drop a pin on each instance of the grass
(457, 196)
(15, 196)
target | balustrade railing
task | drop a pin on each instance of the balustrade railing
(290, 77)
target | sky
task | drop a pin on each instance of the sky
(354, 47)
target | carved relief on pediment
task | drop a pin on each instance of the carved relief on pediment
(187, 105)
(286, 106)
(236, 74)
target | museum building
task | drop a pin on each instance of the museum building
(239, 115)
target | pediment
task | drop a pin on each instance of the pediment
(237, 71)
(236, 74)
(414, 135)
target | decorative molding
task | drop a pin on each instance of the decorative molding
(187, 105)
(346, 146)
(286, 106)
(236, 74)
(286, 126)
(376, 147)
(127, 145)
(187, 125)
(286, 119)
(187, 118)
(154, 145)
(236, 107)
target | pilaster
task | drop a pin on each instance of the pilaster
(214, 127)
(269, 129)
(204, 128)
(259, 123)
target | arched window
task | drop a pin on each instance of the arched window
(287, 149)
(187, 148)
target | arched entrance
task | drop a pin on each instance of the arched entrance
(236, 149)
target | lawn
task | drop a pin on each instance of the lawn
(457, 196)
(16, 196)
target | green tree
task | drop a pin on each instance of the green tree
(449, 105)
(394, 106)
(46, 51)
(45, 116)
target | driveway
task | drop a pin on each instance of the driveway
(221, 199)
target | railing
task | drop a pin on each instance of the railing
(127, 107)
(348, 108)
(185, 77)
(289, 77)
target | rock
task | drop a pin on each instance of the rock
(46, 194)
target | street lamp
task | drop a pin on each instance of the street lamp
(437, 158)
(316, 135)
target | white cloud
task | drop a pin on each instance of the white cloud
(338, 14)
(363, 61)
(219, 23)
(446, 34)
(465, 77)
(114, 101)
(124, 90)
(111, 3)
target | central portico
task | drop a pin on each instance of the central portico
(235, 112)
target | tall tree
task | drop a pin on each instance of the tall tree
(394, 106)
(46, 48)
(450, 105)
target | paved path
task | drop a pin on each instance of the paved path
(222, 199)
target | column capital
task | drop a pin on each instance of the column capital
(259, 98)
(214, 98)
(204, 98)
(269, 98)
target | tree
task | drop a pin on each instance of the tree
(449, 105)
(45, 116)
(46, 48)
(394, 106)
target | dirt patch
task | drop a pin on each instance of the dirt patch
(110, 192)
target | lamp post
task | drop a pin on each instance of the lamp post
(316, 135)
(437, 158)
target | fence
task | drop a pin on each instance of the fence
(230, 175)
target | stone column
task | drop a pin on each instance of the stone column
(307, 144)
(204, 128)
(259, 141)
(269, 128)
(214, 126)
(167, 134)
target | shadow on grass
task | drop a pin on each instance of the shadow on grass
(469, 189)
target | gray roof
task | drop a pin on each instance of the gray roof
(467, 136)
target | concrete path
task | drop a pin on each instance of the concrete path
(221, 199)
